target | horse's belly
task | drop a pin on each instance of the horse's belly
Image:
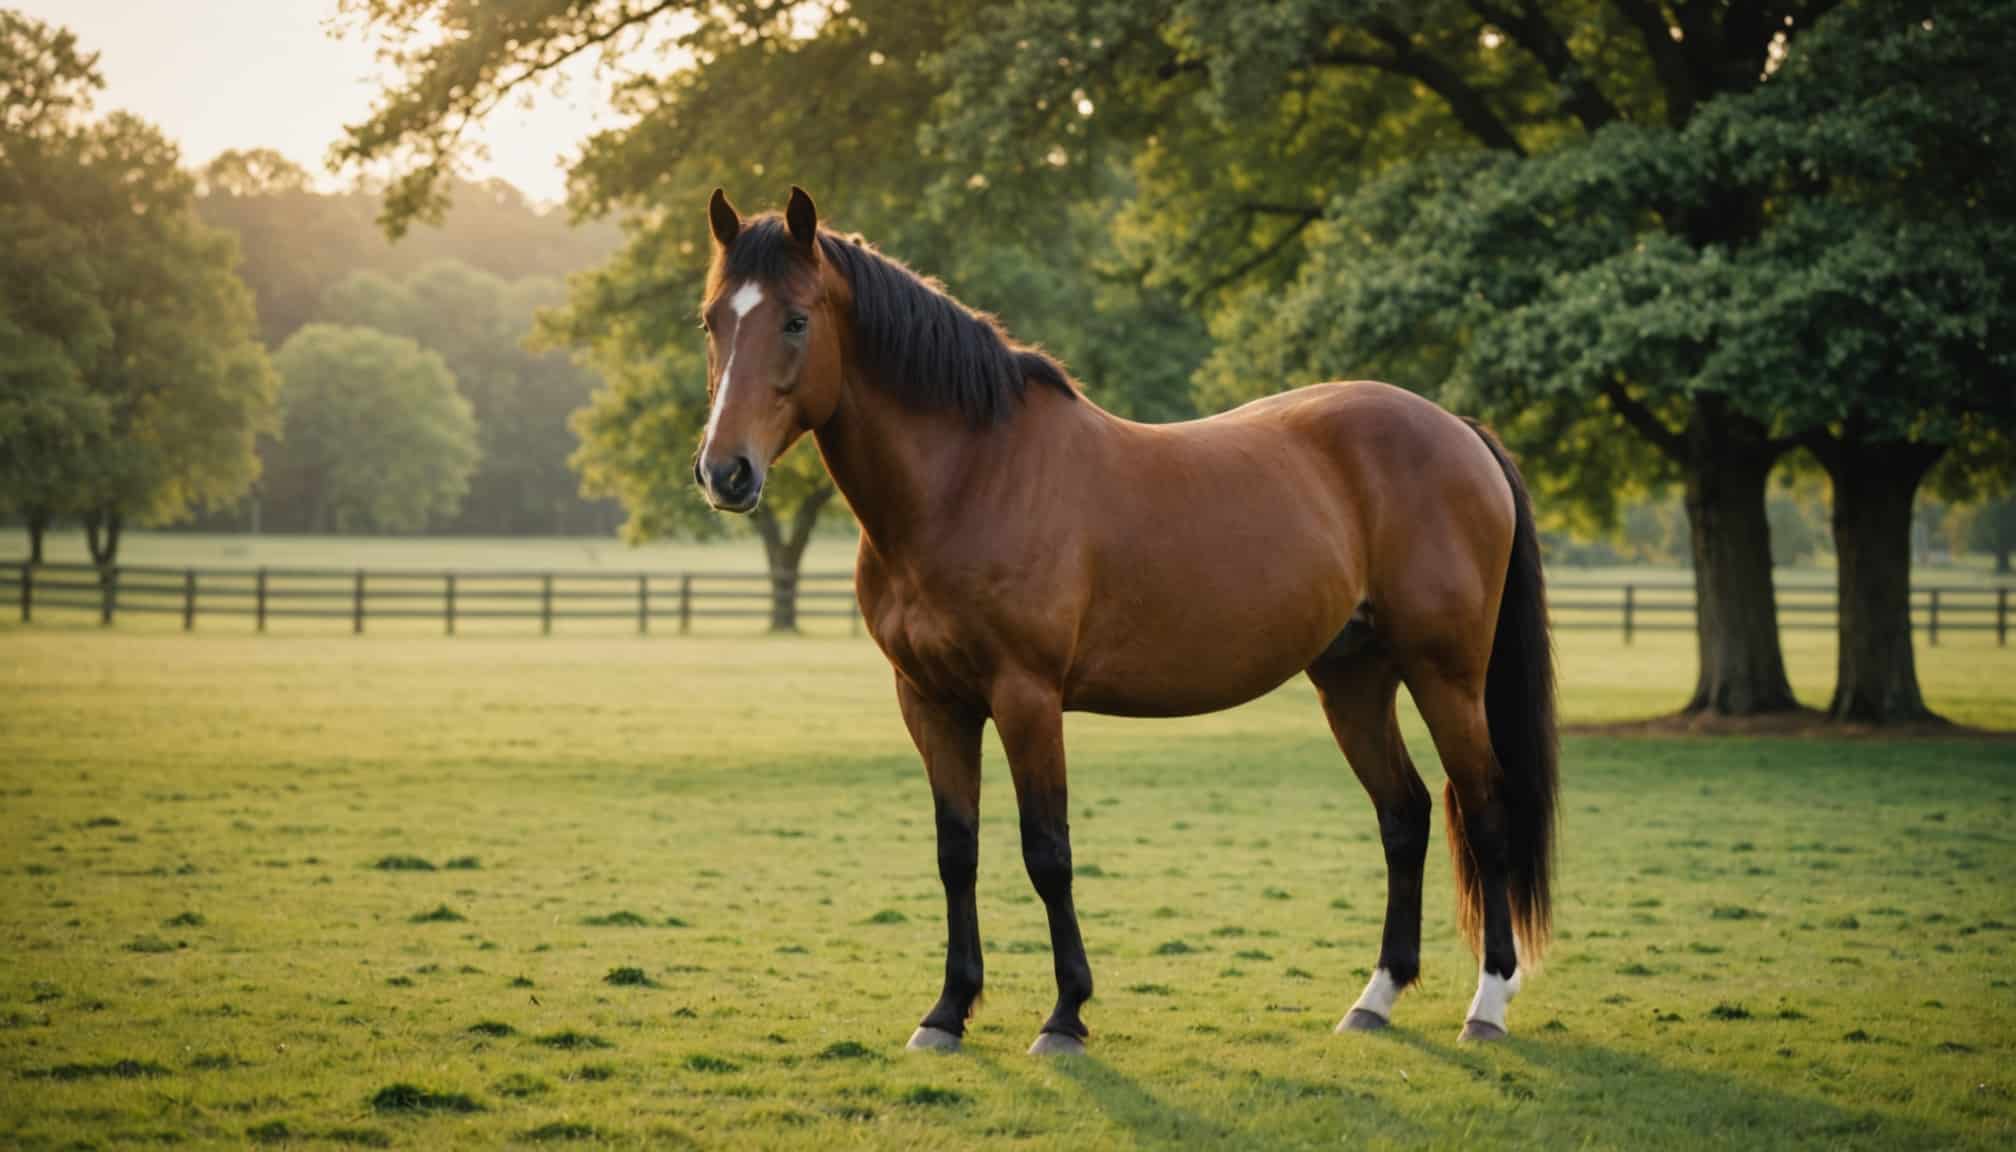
(1192, 652)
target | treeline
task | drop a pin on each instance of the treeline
(229, 347)
(466, 290)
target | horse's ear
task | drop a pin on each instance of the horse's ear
(803, 219)
(721, 214)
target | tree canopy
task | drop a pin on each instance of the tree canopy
(522, 399)
(135, 378)
(377, 438)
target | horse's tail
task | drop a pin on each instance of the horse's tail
(1519, 711)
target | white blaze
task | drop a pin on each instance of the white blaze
(744, 301)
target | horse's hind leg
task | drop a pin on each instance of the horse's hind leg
(1358, 696)
(1453, 706)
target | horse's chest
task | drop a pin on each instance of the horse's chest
(926, 638)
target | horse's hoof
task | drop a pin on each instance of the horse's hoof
(1481, 1031)
(1057, 1044)
(929, 1039)
(1361, 1020)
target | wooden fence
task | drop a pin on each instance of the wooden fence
(658, 599)
(1632, 607)
(650, 599)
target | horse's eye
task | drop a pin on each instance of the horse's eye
(795, 326)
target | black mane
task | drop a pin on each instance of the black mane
(928, 349)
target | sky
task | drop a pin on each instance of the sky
(222, 74)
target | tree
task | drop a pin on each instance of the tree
(128, 325)
(376, 434)
(52, 320)
(1876, 316)
(741, 112)
(522, 398)
(1568, 217)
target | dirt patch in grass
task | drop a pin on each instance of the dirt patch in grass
(403, 863)
(103, 1070)
(413, 1098)
(571, 1041)
(1798, 724)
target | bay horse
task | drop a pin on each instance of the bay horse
(1024, 553)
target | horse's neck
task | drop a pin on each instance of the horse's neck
(901, 470)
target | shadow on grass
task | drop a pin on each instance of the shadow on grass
(1551, 1094)
(1584, 1094)
(1151, 1121)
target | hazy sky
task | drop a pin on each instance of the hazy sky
(219, 74)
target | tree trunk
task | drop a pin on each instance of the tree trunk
(1875, 485)
(1728, 459)
(101, 535)
(38, 527)
(785, 552)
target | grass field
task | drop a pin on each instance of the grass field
(413, 892)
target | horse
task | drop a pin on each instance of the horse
(1024, 552)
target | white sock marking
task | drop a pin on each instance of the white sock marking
(1379, 995)
(1493, 993)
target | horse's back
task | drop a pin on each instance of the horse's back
(1233, 550)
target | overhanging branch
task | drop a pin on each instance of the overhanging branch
(1528, 27)
(1644, 421)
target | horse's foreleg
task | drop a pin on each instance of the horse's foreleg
(1030, 718)
(950, 745)
(1358, 701)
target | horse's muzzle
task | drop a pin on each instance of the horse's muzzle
(732, 485)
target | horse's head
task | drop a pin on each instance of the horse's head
(773, 346)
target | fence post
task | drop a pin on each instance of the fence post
(357, 604)
(643, 603)
(2001, 617)
(189, 600)
(27, 592)
(108, 595)
(448, 603)
(259, 598)
(546, 604)
(1932, 627)
(685, 602)
(1630, 602)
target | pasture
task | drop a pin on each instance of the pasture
(413, 892)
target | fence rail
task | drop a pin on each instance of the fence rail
(649, 599)
(679, 599)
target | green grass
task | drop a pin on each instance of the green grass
(707, 912)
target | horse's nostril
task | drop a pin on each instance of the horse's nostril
(734, 480)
